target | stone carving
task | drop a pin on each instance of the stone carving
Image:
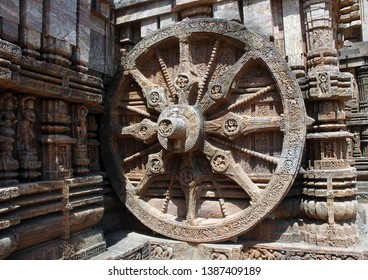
(68, 251)
(356, 147)
(55, 139)
(200, 114)
(278, 254)
(328, 149)
(80, 160)
(219, 256)
(161, 252)
(139, 253)
(28, 159)
(323, 82)
(8, 120)
(81, 126)
(93, 144)
(325, 199)
(26, 123)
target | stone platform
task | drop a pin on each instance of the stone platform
(125, 245)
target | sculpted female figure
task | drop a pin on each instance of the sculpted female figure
(80, 121)
(28, 118)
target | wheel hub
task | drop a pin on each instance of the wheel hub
(180, 129)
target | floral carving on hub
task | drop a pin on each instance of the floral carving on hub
(188, 157)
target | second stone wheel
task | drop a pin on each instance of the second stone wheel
(203, 133)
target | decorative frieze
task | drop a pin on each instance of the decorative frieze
(268, 253)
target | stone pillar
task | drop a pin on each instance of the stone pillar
(360, 143)
(31, 27)
(8, 120)
(128, 37)
(59, 31)
(362, 76)
(293, 36)
(329, 185)
(258, 16)
(83, 36)
(57, 144)
(364, 17)
(9, 20)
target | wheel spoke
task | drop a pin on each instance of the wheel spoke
(209, 70)
(165, 72)
(220, 88)
(267, 158)
(192, 195)
(184, 52)
(244, 100)
(145, 131)
(142, 153)
(222, 162)
(219, 192)
(190, 176)
(154, 94)
(233, 125)
(185, 80)
(171, 185)
(155, 167)
(123, 105)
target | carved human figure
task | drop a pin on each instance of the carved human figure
(8, 104)
(357, 143)
(163, 252)
(329, 150)
(323, 82)
(8, 119)
(28, 118)
(81, 126)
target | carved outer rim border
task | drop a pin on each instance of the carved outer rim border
(287, 168)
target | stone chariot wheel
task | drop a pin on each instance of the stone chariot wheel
(203, 131)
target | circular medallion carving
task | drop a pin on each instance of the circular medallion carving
(220, 162)
(182, 81)
(154, 98)
(216, 92)
(224, 146)
(231, 126)
(155, 164)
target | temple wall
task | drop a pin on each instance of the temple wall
(56, 57)
(57, 61)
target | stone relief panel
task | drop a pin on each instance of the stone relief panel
(259, 253)
(27, 146)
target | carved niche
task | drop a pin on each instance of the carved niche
(202, 136)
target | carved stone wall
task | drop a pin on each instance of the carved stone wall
(61, 60)
(52, 76)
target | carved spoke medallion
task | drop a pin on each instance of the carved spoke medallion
(200, 138)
